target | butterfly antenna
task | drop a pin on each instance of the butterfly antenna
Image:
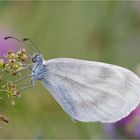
(34, 45)
(22, 41)
(11, 37)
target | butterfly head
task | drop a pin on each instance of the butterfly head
(37, 58)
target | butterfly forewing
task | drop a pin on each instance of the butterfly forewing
(92, 91)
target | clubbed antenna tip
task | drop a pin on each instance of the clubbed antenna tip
(24, 39)
(7, 37)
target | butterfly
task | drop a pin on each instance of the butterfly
(88, 91)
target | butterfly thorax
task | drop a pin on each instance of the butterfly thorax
(38, 70)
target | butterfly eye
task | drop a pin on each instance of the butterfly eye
(34, 59)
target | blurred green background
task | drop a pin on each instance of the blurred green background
(103, 31)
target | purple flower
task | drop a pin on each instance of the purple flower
(9, 44)
(6, 45)
(128, 127)
(110, 131)
(137, 130)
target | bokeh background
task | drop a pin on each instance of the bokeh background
(106, 31)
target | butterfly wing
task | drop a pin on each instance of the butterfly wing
(92, 91)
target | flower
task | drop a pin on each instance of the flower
(11, 89)
(6, 46)
(14, 61)
(12, 65)
(128, 127)
(22, 55)
(11, 55)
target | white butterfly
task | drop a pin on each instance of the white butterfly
(89, 91)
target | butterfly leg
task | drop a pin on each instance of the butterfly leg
(28, 86)
(27, 67)
(25, 86)
(33, 81)
(23, 78)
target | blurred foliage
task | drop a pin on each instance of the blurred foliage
(107, 31)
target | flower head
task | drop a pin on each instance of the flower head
(11, 55)
(14, 61)
(12, 65)
(11, 89)
(22, 55)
